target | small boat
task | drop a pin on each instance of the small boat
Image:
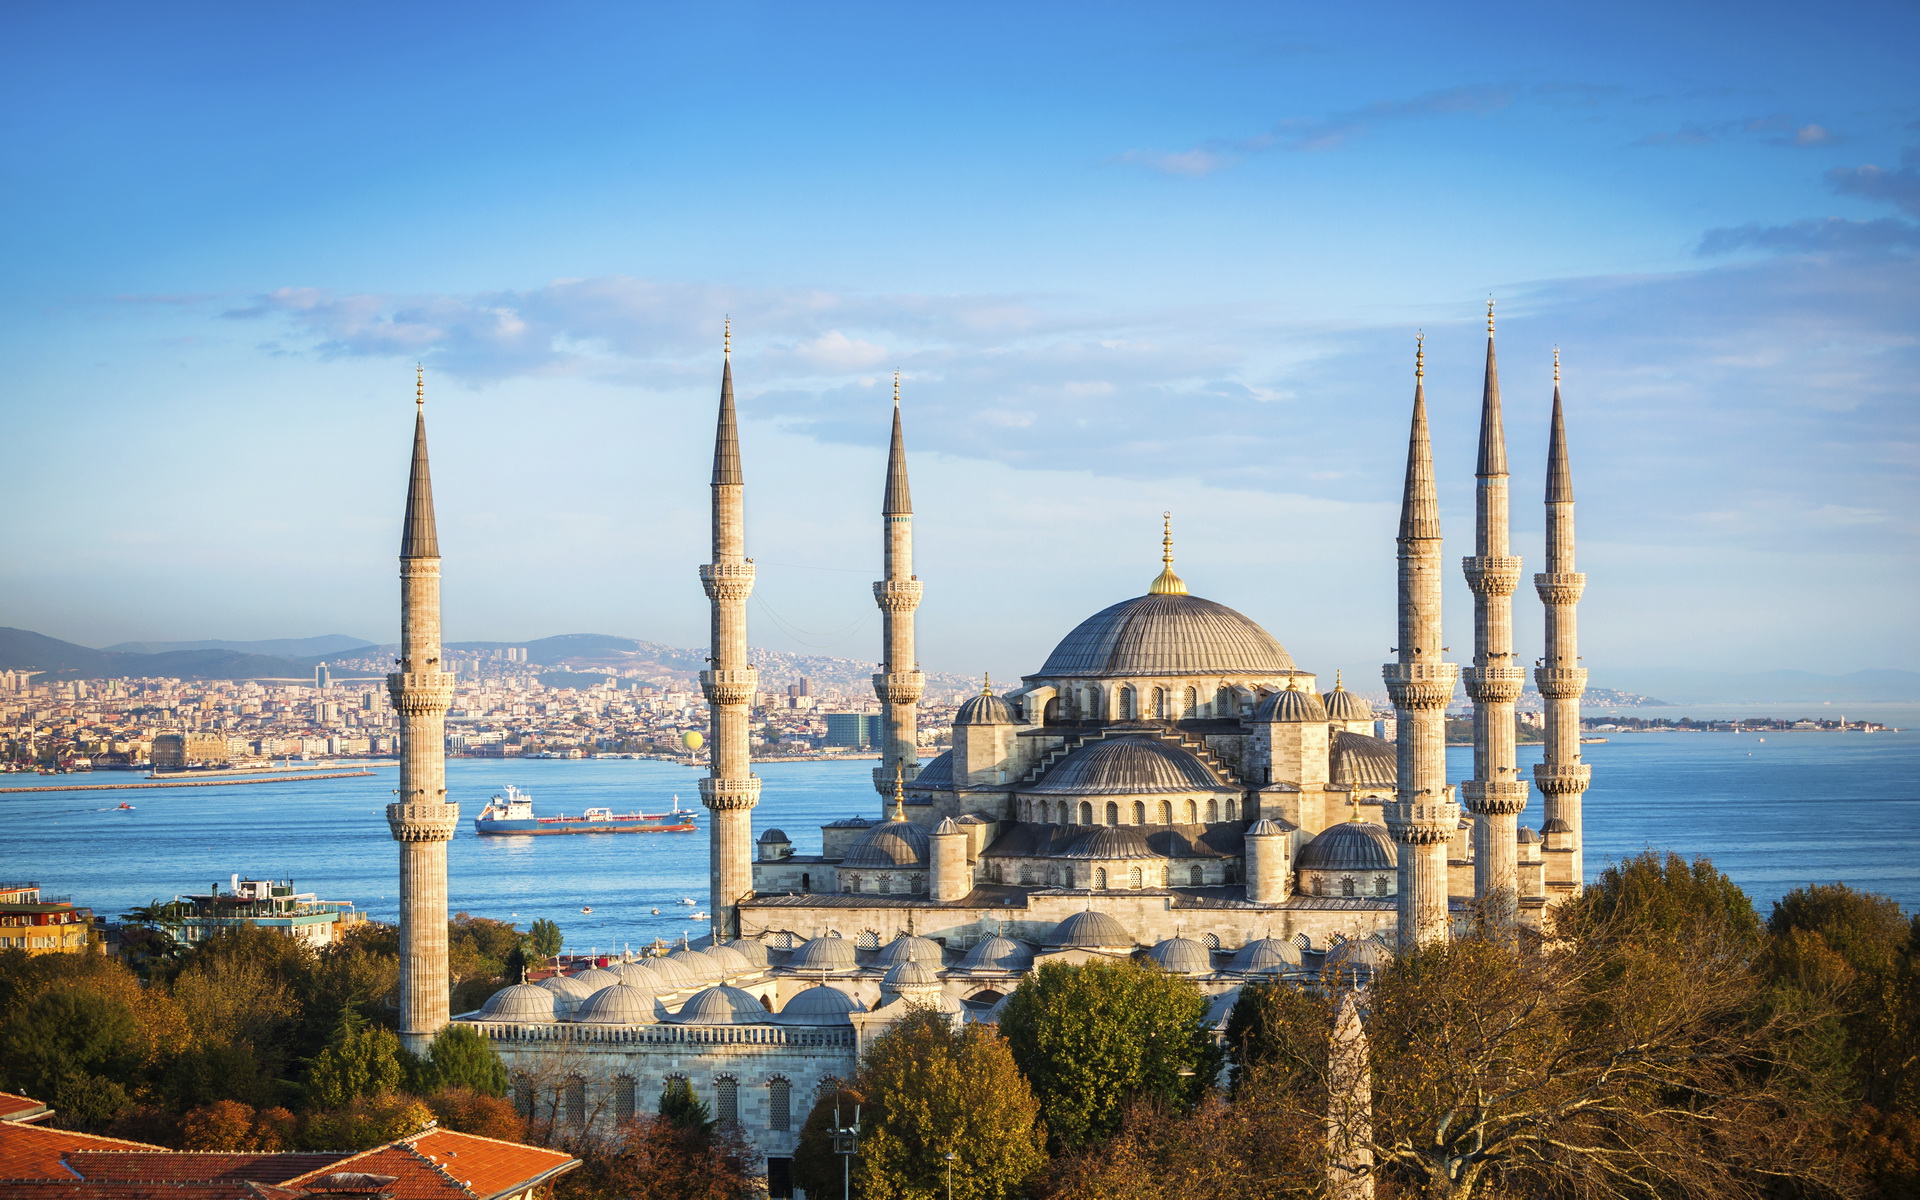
(512, 813)
(656, 912)
(686, 900)
(699, 916)
(125, 806)
(587, 909)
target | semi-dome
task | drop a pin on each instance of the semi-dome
(1266, 955)
(909, 948)
(1156, 635)
(1128, 766)
(522, 1003)
(569, 988)
(1182, 956)
(721, 1006)
(731, 961)
(595, 978)
(699, 964)
(1291, 706)
(1350, 846)
(889, 844)
(629, 1002)
(985, 709)
(1111, 842)
(936, 776)
(820, 1005)
(775, 837)
(1343, 705)
(673, 976)
(997, 954)
(1090, 931)
(823, 954)
(1357, 956)
(755, 952)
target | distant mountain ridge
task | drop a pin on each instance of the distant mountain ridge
(1681, 685)
(309, 648)
(22, 649)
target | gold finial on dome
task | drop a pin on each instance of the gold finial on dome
(1420, 354)
(896, 389)
(420, 380)
(726, 336)
(899, 791)
(986, 685)
(1556, 366)
(1167, 583)
(1489, 316)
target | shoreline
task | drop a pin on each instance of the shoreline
(185, 783)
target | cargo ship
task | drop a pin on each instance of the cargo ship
(512, 813)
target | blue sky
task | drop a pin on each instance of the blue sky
(1128, 257)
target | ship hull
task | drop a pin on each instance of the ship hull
(538, 827)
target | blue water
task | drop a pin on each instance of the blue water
(1774, 811)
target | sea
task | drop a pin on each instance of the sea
(1775, 811)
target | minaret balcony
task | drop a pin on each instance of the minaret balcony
(1560, 683)
(423, 822)
(730, 687)
(1422, 822)
(730, 795)
(1494, 685)
(1495, 797)
(1560, 587)
(900, 687)
(1562, 779)
(897, 595)
(727, 581)
(1416, 686)
(1492, 575)
(421, 691)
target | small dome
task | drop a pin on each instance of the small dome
(673, 976)
(1350, 846)
(1265, 827)
(1291, 706)
(947, 827)
(1526, 837)
(699, 965)
(568, 988)
(909, 974)
(629, 1002)
(595, 978)
(1362, 956)
(985, 709)
(1110, 842)
(1090, 931)
(523, 1003)
(774, 837)
(997, 954)
(889, 844)
(936, 776)
(755, 952)
(1343, 705)
(722, 1006)
(820, 1005)
(823, 954)
(1160, 635)
(1556, 825)
(1128, 766)
(908, 948)
(1182, 956)
(1264, 956)
(731, 961)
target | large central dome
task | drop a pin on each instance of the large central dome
(1165, 634)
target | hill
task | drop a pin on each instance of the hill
(308, 648)
(22, 649)
(1685, 686)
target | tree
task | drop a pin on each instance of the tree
(1664, 896)
(461, 1057)
(817, 1170)
(1263, 1025)
(659, 1159)
(75, 1047)
(1091, 1037)
(680, 1107)
(365, 1121)
(936, 1090)
(363, 1061)
(231, 1125)
(544, 938)
(468, 1111)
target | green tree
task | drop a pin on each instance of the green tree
(1093, 1036)
(1655, 895)
(681, 1107)
(936, 1090)
(544, 937)
(362, 1061)
(365, 1121)
(461, 1057)
(1265, 1025)
(77, 1047)
(817, 1170)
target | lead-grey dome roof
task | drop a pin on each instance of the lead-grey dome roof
(596, 978)
(909, 948)
(910, 974)
(700, 965)
(1266, 955)
(1111, 842)
(1090, 931)
(722, 1006)
(1128, 766)
(1166, 635)
(629, 1002)
(985, 709)
(889, 844)
(569, 988)
(731, 961)
(525, 1003)
(1358, 956)
(755, 952)
(823, 954)
(1291, 706)
(820, 1005)
(1343, 705)
(1350, 846)
(672, 974)
(774, 837)
(1182, 956)
(997, 954)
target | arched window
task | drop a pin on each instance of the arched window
(1193, 814)
(1139, 812)
(1233, 808)
(1100, 878)
(1346, 886)
(1166, 812)
(1134, 878)
(523, 1095)
(573, 1100)
(1223, 702)
(623, 1097)
(1380, 885)
(853, 883)
(779, 1103)
(1096, 709)
(1319, 887)
(1113, 813)
(1212, 940)
(885, 885)
(1026, 874)
(1196, 877)
(1190, 703)
(1160, 703)
(1051, 713)
(867, 939)
(1086, 812)
(1213, 810)
(726, 1099)
(1129, 708)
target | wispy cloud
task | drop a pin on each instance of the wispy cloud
(1899, 187)
(1777, 129)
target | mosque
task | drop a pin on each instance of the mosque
(1167, 786)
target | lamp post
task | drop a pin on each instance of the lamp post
(846, 1141)
(950, 1157)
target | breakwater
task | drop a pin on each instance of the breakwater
(186, 783)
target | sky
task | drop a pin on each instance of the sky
(1128, 258)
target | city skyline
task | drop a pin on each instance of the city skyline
(1111, 293)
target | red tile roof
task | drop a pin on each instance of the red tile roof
(197, 1165)
(74, 1189)
(33, 1151)
(441, 1164)
(21, 1108)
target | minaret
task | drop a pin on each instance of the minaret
(900, 682)
(1422, 817)
(1561, 777)
(1497, 793)
(422, 820)
(731, 789)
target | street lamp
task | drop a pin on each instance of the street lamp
(846, 1141)
(950, 1157)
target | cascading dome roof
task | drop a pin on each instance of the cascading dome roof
(1166, 635)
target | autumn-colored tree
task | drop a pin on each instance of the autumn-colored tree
(656, 1159)
(231, 1125)
(76, 1047)
(935, 1090)
(362, 1061)
(468, 1111)
(1218, 1151)
(364, 1122)
(1093, 1036)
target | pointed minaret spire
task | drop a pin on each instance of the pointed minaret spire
(1496, 794)
(418, 536)
(900, 683)
(726, 440)
(1559, 474)
(1167, 583)
(1422, 817)
(1561, 776)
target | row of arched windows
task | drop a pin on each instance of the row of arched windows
(1041, 874)
(1065, 812)
(1089, 702)
(886, 885)
(571, 1099)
